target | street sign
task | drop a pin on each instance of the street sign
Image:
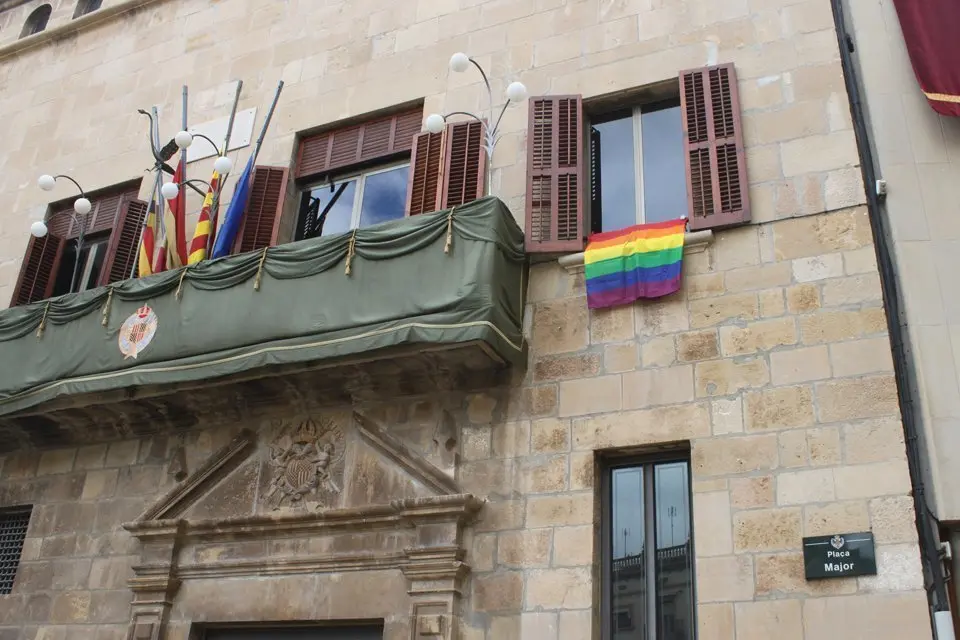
(839, 556)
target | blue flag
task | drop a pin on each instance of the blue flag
(234, 215)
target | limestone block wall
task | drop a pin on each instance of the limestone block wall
(773, 363)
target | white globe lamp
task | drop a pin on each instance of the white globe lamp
(38, 229)
(459, 62)
(183, 139)
(82, 206)
(170, 190)
(435, 123)
(516, 92)
(223, 165)
(46, 182)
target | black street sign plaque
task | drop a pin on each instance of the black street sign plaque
(839, 556)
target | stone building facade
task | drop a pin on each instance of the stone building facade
(483, 513)
(916, 154)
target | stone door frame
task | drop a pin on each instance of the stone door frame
(432, 564)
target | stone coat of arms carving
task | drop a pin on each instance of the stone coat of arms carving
(306, 462)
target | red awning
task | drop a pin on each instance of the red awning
(931, 29)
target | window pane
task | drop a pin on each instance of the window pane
(628, 589)
(96, 254)
(618, 188)
(664, 174)
(62, 284)
(384, 196)
(340, 216)
(674, 552)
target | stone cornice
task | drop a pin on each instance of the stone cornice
(408, 512)
(99, 16)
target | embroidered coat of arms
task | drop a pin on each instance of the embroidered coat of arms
(307, 465)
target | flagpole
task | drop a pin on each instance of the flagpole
(153, 192)
(183, 194)
(158, 194)
(143, 226)
(226, 237)
(266, 121)
(226, 148)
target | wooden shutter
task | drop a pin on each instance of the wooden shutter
(425, 167)
(354, 144)
(261, 219)
(464, 165)
(38, 272)
(124, 245)
(717, 188)
(554, 220)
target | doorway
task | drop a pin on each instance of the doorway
(296, 633)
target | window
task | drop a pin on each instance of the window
(83, 271)
(111, 235)
(36, 21)
(637, 172)
(13, 531)
(354, 201)
(648, 551)
(86, 6)
(649, 158)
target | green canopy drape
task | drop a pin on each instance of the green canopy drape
(441, 278)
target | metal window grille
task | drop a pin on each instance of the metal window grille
(13, 530)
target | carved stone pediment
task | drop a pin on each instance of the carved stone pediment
(324, 493)
(312, 463)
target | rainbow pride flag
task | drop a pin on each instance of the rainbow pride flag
(642, 261)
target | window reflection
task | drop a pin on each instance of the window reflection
(618, 187)
(352, 202)
(674, 557)
(650, 553)
(664, 173)
(629, 574)
(339, 217)
(384, 196)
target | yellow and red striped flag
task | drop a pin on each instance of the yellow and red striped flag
(148, 243)
(172, 250)
(201, 235)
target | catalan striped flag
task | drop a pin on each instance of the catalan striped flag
(148, 242)
(201, 235)
(642, 261)
(174, 245)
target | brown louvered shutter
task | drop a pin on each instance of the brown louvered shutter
(346, 146)
(261, 218)
(121, 258)
(555, 175)
(38, 272)
(425, 166)
(464, 164)
(717, 188)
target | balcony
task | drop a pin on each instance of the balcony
(406, 307)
